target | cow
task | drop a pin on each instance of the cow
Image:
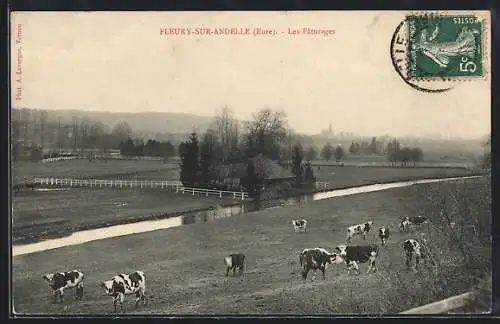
(412, 247)
(405, 224)
(125, 284)
(354, 254)
(314, 259)
(299, 224)
(383, 233)
(358, 229)
(59, 281)
(233, 261)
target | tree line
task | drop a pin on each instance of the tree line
(393, 152)
(33, 133)
(152, 148)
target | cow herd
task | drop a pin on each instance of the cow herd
(352, 255)
(314, 259)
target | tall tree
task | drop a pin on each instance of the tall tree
(339, 153)
(327, 152)
(372, 148)
(226, 128)
(352, 148)
(297, 158)
(189, 162)
(207, 158)
(268, 129)
(416, 155)
(311, 153)
(390, 152)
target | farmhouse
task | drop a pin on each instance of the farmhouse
(275, 179)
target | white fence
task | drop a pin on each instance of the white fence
(60, 158)
(163, 184)
(443, 306)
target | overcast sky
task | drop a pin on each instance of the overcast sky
(119, 62)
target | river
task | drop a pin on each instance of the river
(81, 237)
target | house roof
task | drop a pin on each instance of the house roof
(265, 168)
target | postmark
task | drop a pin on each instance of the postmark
(431, 52)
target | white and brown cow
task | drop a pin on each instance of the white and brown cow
(383, 233)
(299, 224)
(360, 229)
(59, 281)
(314, 259)
(126, 284)
(407, 222)
(413, 248)
(233, 261)
(352, 255)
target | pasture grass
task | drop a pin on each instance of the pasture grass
(25, 171)
(185, 270)
(350, 176)
(42, 214)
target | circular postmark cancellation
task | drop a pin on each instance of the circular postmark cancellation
(430, 52)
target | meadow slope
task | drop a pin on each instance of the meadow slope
(185, 270)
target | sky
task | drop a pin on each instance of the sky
(120, 62)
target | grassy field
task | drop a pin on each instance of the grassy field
(185, 270)
(24, 171)
(349, 176)
(54, 213)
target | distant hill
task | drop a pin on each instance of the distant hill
(144, 122)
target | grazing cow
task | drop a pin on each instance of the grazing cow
(383, 233)
(405, 224)
(316, 258)
(59, 281)
(412, 248)
(233, 261)
(126, 284)
(354, 254)
(358, 229)
(299, 224)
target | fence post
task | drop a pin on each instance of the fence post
(220, 194)
(234, 195)
(206, 193)
(193, 191)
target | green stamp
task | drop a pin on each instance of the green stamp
(445, 46)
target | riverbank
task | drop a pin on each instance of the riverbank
(53, 214)
(183, 282)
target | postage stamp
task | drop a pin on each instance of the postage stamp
(445, 46)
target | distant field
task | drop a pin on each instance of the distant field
(24, 171)
(185, 269)
(37, 214)
(346, 176)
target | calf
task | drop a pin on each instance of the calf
(59, 281)
(299, 224)
(233, 261)
(412, 247)
(316, 258)
(405, 224)
(359, 229)
(126, 284)
(352, 255)
(383, 233)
